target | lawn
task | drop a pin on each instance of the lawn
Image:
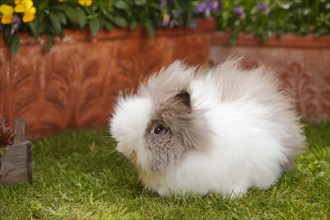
(78, 175)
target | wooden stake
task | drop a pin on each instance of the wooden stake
(17, 160)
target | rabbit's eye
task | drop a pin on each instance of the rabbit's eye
(159, 129)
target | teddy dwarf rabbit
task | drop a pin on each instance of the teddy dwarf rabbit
(223, 131)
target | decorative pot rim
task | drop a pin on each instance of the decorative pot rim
(286, 40)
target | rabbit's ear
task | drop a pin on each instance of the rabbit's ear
(183, 97)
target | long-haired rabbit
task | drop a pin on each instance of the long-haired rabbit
(221, 130)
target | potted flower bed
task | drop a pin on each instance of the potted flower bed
(63, 62)
(290, 36)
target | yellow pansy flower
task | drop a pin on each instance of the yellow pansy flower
(17, 2)
(23, 6)
(85, 2)
(7, 14)
(29, 15)
(26, 7)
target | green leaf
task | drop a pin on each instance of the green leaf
(14, 44)
(106, 10)
(56, 23)
(42, 5)
(77, 16)
(140, 2)
(119, 21)
(81, 18)
(134, 24)
(233, 37)
(150, 28)
(33, 27)
(7, 34)
(265, 36)
(107, 25)
(62, 35)
(42, 26)
(94, 26)
(121, 5)
(50, 42)
(72, 14)
(61, 17)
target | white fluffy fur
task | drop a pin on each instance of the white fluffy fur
(254, 134)
(128, 127)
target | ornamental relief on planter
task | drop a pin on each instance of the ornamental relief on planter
(297, 80)
(309, 93)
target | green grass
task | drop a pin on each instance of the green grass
(78, 175)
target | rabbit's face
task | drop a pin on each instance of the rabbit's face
(165, 136)
(165, 146)
(150, 135)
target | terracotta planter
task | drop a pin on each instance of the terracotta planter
(75, 84)
(303, 64)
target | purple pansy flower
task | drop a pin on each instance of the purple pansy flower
(16, 22)
(214, 5)
(177, 13)
(238, 11)
(263, 8)
(166, 19)
(163, 3)
(201, 7)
